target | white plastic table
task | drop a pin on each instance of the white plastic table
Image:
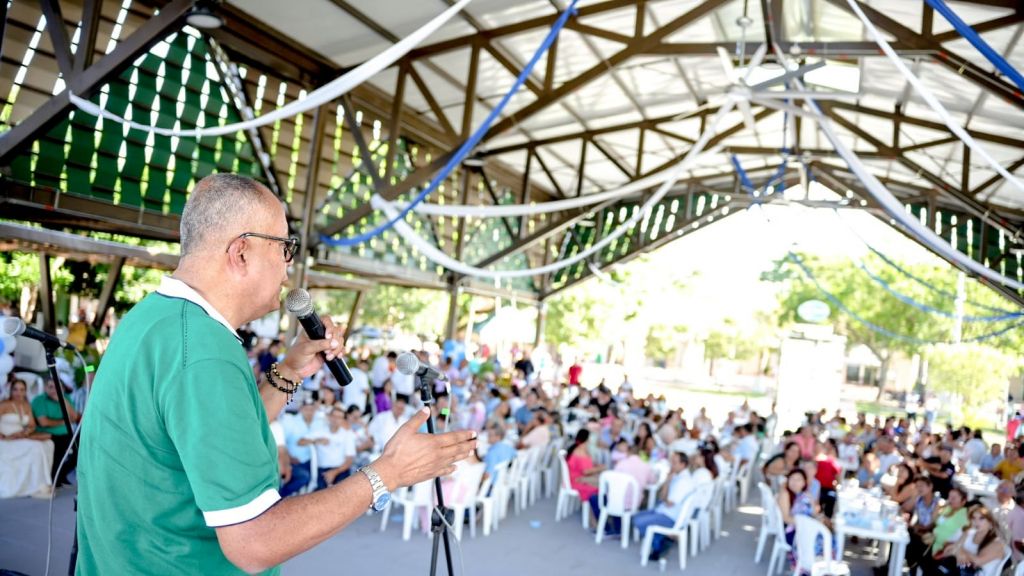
(977, 486)
(868, 507)
(897, 538)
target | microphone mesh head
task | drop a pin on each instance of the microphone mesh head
(298, 302)
(12, 326)
(407, 363)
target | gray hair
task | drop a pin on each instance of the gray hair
(216, 202)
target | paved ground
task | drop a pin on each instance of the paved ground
(531, 544)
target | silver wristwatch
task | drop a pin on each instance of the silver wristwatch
(381, 496)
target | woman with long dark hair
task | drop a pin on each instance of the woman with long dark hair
(904, 492)
(582, 471)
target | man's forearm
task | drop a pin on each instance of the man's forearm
(294, 525)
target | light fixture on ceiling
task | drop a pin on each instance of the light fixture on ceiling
(203, 16)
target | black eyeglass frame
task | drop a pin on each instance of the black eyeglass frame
(290, 245)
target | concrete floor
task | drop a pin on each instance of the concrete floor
(531, 544)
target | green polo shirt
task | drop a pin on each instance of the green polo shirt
(45, 407)
(175, 443)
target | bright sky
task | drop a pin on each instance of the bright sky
(730, 255)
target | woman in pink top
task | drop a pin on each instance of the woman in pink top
(807, 442)
(582, 471)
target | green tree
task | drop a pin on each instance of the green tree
(663, 341)
(412, 310)
(976, 373)
(869, 301)
(729, 342)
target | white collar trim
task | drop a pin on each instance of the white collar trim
(174, 288)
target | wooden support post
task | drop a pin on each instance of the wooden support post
(353, 315)
(46, 294)
(107, 294)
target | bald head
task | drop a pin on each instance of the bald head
(220, 206)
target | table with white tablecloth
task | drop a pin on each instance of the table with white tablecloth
(977, 485)
(869, 515)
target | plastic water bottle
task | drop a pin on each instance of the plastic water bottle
(662, 564)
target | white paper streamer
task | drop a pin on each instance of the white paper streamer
(504, 210)
(318, 97)
(932, 101)
(439, 257)
(895, 208)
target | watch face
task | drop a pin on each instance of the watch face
(382, 501)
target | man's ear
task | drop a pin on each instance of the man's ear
(238, 254)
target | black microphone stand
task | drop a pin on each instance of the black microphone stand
(441, 517)
(51, 363)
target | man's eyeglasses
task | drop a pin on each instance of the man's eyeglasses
(290, 245)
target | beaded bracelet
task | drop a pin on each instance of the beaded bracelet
(293, 383)
(290, 392)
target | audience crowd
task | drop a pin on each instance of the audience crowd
(673, 463)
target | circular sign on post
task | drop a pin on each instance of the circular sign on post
(813, 311)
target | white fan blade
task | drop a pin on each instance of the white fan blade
(748, 116)
(727, 67)
(756, 60)
(809, 95)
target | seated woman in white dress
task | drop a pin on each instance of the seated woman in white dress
(25, 456)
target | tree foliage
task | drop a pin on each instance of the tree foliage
(887, 315)
(975, 373)
(412, 310)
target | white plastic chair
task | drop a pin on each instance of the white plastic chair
(511, 488)
(767, 526)
(614, 488)
(465, 491)
(397, 499)
(419, 496)
(549, 468)
(700, 525)
(662, 469)
(680, 530)
(489, 497)
(996, 568)
(743, 480)
(717, 505)
(568, 497)
(808, 532)
(731, 487)
(533, 475)
(780, 548)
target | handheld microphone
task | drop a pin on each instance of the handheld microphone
(12, 326)
(407, 363)
(299, 303)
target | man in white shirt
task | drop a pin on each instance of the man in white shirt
(888, 456)
(336, 451)
(672, 495)
(383, 367)
(403, 384)
(385, 424)
(356, 392)
(745, 449)
(302, 431)
(975, 449)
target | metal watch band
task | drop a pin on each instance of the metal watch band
(376, 484)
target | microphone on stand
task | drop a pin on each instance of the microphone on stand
(408, 364)
(12, 326)
(299, 303)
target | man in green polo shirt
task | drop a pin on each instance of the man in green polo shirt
(178, 468)
(49, 419)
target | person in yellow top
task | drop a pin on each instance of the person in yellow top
(1011, 465)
